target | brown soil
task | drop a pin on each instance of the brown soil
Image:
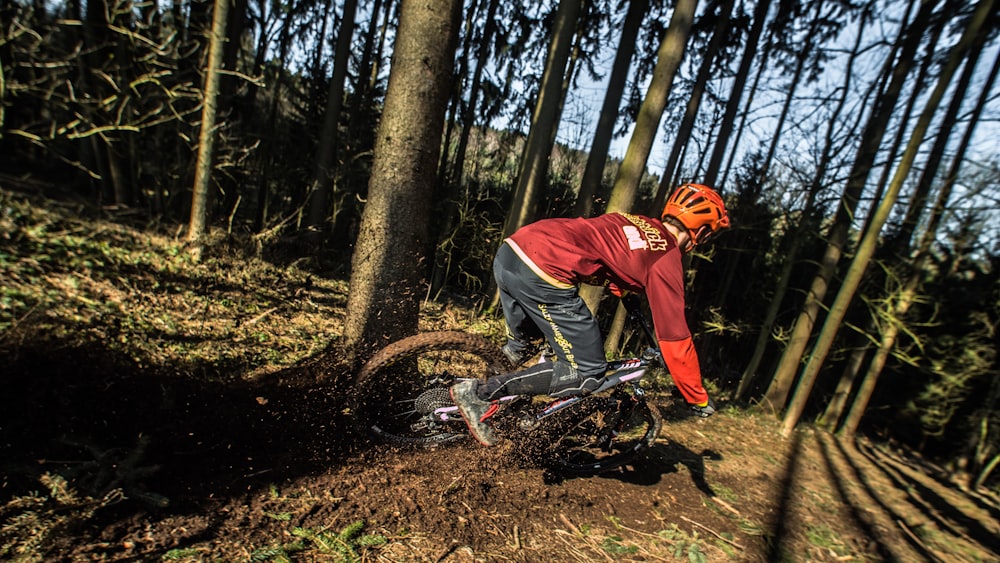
(237, 472)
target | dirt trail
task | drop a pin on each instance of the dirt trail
(726, 489)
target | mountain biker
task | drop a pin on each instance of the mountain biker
(538, 270)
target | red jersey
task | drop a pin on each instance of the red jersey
(633, 252)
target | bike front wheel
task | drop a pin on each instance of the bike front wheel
(405, 385)
(606, 434)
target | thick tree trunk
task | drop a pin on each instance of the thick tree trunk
(386, 273)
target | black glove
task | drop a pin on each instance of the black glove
(705, 410)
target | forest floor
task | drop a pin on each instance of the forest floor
(157, 409)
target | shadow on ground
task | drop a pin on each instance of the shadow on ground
(105, 423)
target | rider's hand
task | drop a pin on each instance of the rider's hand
(706, 410)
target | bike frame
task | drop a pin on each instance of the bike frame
(620, 371)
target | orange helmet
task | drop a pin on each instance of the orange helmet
(700, 209)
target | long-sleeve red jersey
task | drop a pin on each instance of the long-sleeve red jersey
(633, 252)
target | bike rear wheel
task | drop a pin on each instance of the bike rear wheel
(402, 385)
(606, 434)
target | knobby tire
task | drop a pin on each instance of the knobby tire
(410, 377)
(577, 450)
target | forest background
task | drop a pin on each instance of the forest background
(854, 143)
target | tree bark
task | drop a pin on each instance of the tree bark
(206, 137)
(839, 401)
(386, 272)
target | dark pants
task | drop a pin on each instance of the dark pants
(533, 307)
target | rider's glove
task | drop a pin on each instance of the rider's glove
(704, 410)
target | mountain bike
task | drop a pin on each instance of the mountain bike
(406, 387)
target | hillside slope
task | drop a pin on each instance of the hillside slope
(157, 409)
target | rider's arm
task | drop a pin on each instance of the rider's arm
(682, 362)
(665, 291)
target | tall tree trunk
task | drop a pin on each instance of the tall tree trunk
(206, 137)
(469, 115)
(359, 111)
(801, 229)
(765, 57)
(545, 120)
(368, 96)
(736, 92)
(903, 302)
(593, 172)
(326, 157)
(735, 264)
(693, 105)
(319, 50)
(920, 85)
(385, 284)
(868, 244)
(668, 60)
(800, 65)
(841, 394)
(267, 156)
(871, 139)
